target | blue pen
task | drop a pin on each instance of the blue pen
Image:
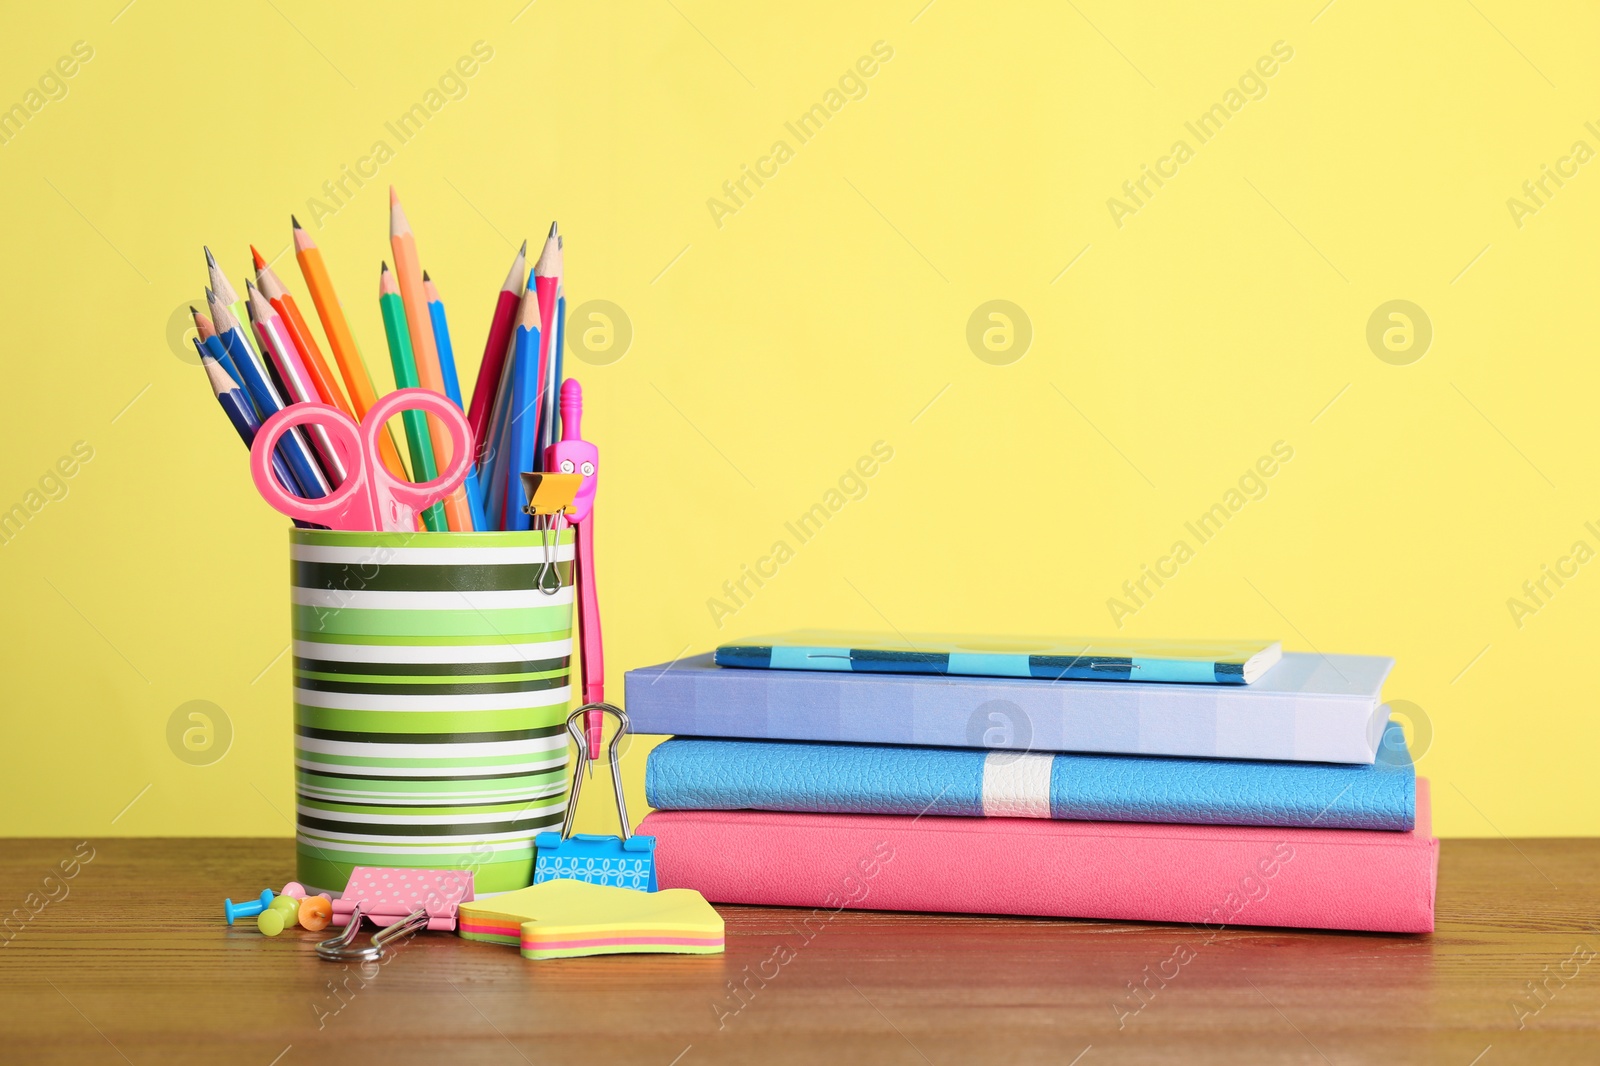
(295, 451)
(452, 389)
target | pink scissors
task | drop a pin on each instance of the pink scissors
(370, 498)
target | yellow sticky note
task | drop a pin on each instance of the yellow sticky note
(567, 919)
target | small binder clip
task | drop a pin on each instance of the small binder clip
(343, 947)
(627, 861)
(399, 899)
(550, 494)
(550, 499)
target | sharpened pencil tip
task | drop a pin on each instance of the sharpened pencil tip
(211, 260)
(553, 230)
(523, 251)
(385, 269)
(295, 222)
(192, 311)
(425, 276)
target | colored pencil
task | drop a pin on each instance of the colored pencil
(550, 425)
(281, 350)
(490, 372)
(405, 377)
(452, 388)
(524, 413)
(294, 324)
(295, 452)
(342, 341)
(494, 454)
(224, 288)
(408, 275)
(204, 328)
(547, 280)
(236, 405)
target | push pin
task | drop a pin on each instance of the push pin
(249, 908)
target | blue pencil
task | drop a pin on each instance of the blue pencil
(227, 363)
(452, 389)
(524, 414)
(236, 405)
(293, 446)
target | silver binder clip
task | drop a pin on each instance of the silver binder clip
(343, 948)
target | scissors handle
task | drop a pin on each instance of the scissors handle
(397, 502)
(346, 506)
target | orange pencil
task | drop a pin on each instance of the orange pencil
(408, 272)
(342, 341)
(271, 287)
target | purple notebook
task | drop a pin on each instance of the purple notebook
(1308, 708)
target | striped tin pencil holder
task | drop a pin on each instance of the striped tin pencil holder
(431, 689)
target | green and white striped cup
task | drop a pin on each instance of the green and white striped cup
(431, 686)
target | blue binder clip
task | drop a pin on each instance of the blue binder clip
(627, 861)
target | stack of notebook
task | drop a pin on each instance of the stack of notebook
(1225, 784)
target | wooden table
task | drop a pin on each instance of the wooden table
(133, 963)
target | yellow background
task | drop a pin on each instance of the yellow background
(829, 312)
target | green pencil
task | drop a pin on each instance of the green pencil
(405, 377)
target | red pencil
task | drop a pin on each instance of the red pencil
(495, 351)
(547, 283)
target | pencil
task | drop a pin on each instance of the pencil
(342, 341)
(204, 328)
(405, 377)
(452, 388)
(280, 349)
(223, 288)
(547, 280)
(294, 324)
(523, 412)
(292, 448)
(485, 393)
(556, 374)
(408, 275)
(494, 451)
(236, 405)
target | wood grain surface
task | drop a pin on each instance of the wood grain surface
(132, 962)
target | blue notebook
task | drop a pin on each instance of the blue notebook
(1308, 708)
(1205, 662)
(767, 775)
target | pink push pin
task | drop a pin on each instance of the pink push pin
(574, 455)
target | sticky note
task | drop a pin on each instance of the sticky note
(567, 919)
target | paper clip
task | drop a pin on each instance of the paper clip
(343, 948)
(627, 861)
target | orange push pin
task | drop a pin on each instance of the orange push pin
(316, 912)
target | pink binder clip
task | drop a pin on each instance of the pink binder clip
(388, 895)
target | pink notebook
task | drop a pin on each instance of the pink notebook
(1217, 875)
